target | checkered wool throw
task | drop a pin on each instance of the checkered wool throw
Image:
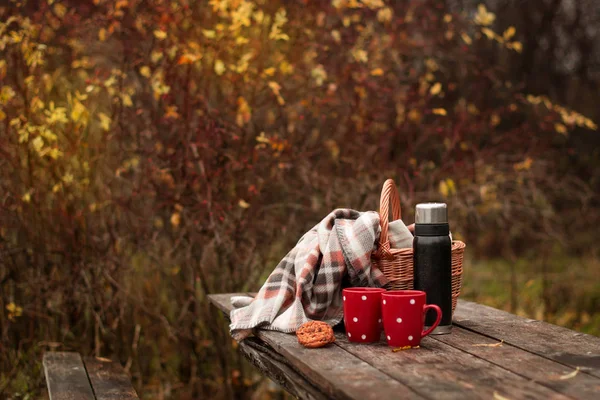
(307, 283)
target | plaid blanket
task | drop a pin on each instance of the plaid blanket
(307, 284)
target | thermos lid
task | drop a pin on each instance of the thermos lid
(431, 213)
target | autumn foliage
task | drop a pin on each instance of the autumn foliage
(152, 152)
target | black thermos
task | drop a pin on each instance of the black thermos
(432, 248)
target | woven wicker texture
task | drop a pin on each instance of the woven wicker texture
(397, 264)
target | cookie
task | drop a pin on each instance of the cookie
(315, 334)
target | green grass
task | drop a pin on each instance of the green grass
(561, 290)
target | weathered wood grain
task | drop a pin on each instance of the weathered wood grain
(337, 373)
(66, 377)
(526, 364)
(560, 344)
(277, 368)
(439, 371)
(109, 380)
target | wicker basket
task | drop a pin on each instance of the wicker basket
(397, 264)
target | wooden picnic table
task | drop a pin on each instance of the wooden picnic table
(71, 377)
(490, 354)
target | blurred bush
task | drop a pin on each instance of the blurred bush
(153, 152)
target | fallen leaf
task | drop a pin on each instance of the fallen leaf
(439, 111)
(497, 396)
(404, 348)
(499, 344)
(243, 203)
(570, 375)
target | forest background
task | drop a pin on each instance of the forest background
(153, 152)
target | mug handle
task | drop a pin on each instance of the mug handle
(438, 311)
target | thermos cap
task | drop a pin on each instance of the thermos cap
(431, 213)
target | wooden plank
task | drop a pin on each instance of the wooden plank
(337, 373)
(559, 344)
(528, 365)
(440, 371)
(66, 377)
(277, 368)
(109, 380)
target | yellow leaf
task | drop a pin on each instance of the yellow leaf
(443, 188)
(335, 34)
(126, 100)
(447, 18)
(145, 71)
(171, 112)
(414, 115)
(509, 32)
(68, 178)
(209, 34)
(439, 111)
(175, 219)
(102, 34)
(517, 46)
(489, 33)
(38, 143)
(104, 121)
(155, 56)
(466, 38)
(360, 55)
(286, 68)
(483, 17)
(160, 34)
(269, 71)
(385, 14)
(498, 344)
(2, 115)
(560, 128)
(243, 203)
(377, 72)
(570, 375)
(523, 165)
(435, 89)
(219, 67)
(334, 149)
(60, 10)
(26, 197)
(495, 119)
(497, 396)
(244, 112)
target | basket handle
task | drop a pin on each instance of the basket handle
(389, 196)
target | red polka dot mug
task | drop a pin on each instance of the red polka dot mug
(403, 314)
(362, 314)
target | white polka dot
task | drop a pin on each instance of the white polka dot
(398, 320)
(412, 301)
(389, 338)
(364, 297)
(379, 320)
(364, 337)
(349, 334)
(344, 298)
(355, 319)
(384, 302)
(410, 338)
